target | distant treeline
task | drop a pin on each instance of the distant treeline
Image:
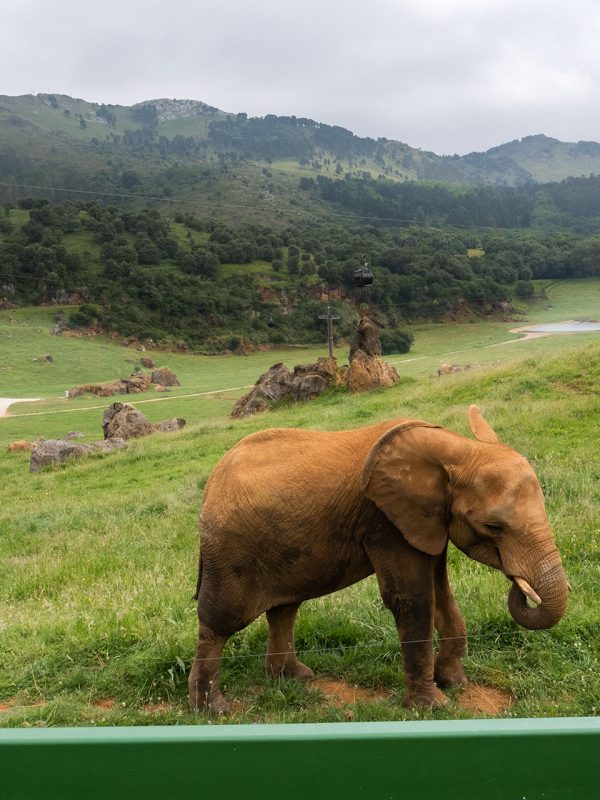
(572, 204)
(141, 274)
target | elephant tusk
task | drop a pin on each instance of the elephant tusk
(528, 591)
(569, 587)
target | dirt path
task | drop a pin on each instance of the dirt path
(5, 402)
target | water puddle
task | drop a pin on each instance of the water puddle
(573, 326)
(550, 328)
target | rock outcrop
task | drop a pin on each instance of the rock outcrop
(311, 380)
(124, 421)
(20, 446)
(137, 382)
(120, 420)
(450, 369)
(56, 451)
(367, 370)
(164, 377)
(305, 382)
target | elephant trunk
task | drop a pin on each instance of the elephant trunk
(547, 588)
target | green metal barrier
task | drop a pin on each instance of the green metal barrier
(527, 759)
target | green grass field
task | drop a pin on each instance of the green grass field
(99, 556)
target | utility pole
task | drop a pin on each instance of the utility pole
(329, 317)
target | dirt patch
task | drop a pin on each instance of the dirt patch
(104, 704)
(155, 708)
(340, 693)
(484, 699)
(10, 705)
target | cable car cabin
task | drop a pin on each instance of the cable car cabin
(271, 322)
(363, 277)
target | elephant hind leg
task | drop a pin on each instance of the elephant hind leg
(218, 620)
(204, 692)
(281, 656)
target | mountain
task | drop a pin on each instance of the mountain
(71, 143)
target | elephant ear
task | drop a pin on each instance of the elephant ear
(480, 428)
(405, 480)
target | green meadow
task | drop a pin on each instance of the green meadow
(99, 556)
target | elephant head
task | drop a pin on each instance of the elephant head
(434, 484)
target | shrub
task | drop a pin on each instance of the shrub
(524, 289)
(396, 340)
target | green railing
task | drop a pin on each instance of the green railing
(527, 759)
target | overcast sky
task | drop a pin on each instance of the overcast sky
(450, 76)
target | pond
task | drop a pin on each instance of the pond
(573, 326)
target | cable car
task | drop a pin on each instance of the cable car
(363, 276)
(271, 322)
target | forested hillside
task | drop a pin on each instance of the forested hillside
(168, 147)
(174, 221)
(187, 282)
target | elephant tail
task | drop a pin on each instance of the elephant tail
(199, 581)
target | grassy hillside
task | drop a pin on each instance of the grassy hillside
(99, 557)
(70, 143)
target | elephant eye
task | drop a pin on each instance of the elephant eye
(493, 528)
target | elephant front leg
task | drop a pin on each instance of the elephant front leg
(450, 625)
(406, 583)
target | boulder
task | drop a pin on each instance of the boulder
(124, 421)
(135, 383)
(367, 370)
(20, 446)
(164, 377)
(56, 451)
(304, 383)
(45, 359)
(170, 425)
(147, 362)
(268, 389)
(311, 380)
(449, 369)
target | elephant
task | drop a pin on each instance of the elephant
(290, 514)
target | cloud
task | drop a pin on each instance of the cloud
(445, 75)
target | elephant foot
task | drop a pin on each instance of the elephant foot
(429, 698)
(209, 701)
(291, 669)
(218, 705)
(214, 705)
(298, 671)
(449, 674)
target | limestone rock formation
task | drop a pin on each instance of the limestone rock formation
(268, 389)
(137, 382)
(367, 370)
(56, 451)
(170, 425)
(164, 377)
(449, 369)
(125, 421)
(311, 380)
(304, 383)
(20, 446)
